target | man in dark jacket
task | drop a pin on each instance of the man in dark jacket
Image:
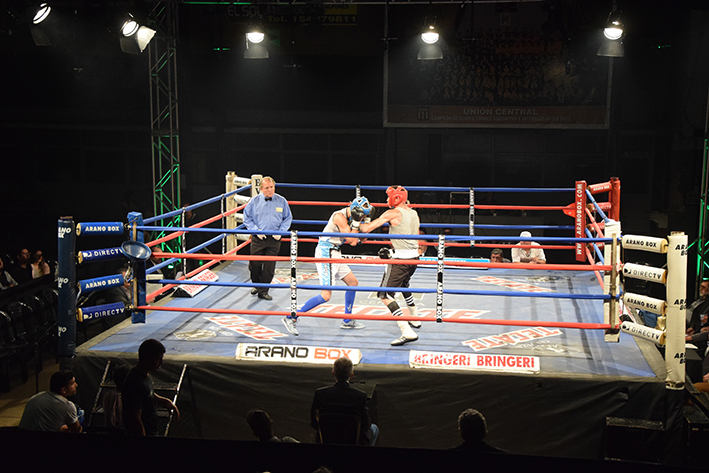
(342, 396)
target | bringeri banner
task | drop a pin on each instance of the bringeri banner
(474, 362)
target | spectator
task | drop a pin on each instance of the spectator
(120, 293)
(697, 310)
(39, 265)
(51, 411)
(262, 426)
(21, 269)
(6, 280)
(522, 253)
(473, 429)
(112, 400)
(496, 256)
(701, 339)
(140, 402)
(342, 395)
(267, 211)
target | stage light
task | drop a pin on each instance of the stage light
(42, 13)
(613, 32)
(255, 49)
(614, 27)
(255, 35)
(130, 27)
(429, 35)
(134, 38)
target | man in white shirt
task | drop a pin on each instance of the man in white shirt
(524, 251)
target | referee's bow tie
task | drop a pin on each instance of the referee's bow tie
(268, 198)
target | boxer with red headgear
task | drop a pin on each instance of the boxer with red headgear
(402, 220)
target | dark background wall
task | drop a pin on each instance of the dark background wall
(75, 120)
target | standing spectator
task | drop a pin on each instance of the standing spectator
(6, 280)
(140, 402)
(267, 211)
(473, 429)
(51, 411)
(342, 395)
(262, 426)
(403, 220)
(524, 253)
(21, 269)
(39, 265)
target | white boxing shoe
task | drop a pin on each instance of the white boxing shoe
(407, 335)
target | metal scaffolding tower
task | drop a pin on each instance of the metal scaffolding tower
(165, 127)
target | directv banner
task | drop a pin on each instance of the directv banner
(100, 311)
(295, 354)
(646, 273)
(474, 362)
(99, 255)
(88, 285)
(100, 228)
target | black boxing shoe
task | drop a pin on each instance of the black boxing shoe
(254, 291)
(265, 297)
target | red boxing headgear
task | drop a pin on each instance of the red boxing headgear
(396, 195)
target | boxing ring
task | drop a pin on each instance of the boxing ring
(541, 350)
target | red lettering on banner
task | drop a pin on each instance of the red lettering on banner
(511, 284)
(245, 327)
(510, 338)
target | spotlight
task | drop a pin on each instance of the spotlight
(429, 35)
(134, 38)
(42, 13)
(612, 45)
(130, 27)
(255, 35)
(614, 27)
(254, 47)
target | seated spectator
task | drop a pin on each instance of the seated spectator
(496, 256)
(39, 265)
(51, 411)
(120, 293)
(6, 280)
(112, 402)
(701, 339)
(21, 269)
(473, 429)
(522, 253)
(343, 395)
(697, 311)
(262, 426)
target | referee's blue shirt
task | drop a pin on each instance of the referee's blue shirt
(273, 215)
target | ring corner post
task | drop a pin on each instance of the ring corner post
(66, 285)
(580, 218)
(676, 306)
(135, 219)
(614, 198)
(611, 255)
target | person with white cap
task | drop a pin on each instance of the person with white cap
(525, 251)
